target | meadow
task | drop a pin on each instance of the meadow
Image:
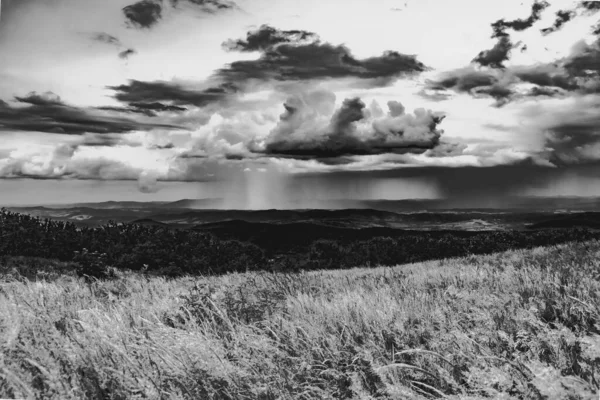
(520, 324)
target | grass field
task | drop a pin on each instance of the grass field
(522, 324)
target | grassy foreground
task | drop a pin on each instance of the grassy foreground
(522, 324)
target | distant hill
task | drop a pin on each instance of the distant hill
(148, 221)
(577, 220)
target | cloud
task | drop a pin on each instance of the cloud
(308, 130)
(562, 17)
(106, 38)
(497, 55)
(138, 92)
(144, 13)
(478, 83)
(267, 37)
(148, 182)
(519, 25)
(287, 57)
(47, 113)
(125, 54)
(301, 55)
(569, 129)
(208, 6)
(43, 99)
(576, 74)
(589, 6)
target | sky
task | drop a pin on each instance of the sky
(278, 104)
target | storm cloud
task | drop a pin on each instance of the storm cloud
(307, 129)
(571, 133)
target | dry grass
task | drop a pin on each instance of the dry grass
(521, 324)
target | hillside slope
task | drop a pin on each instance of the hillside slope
(520, 324)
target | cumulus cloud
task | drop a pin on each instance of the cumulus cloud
(47, 113)
(307, 129)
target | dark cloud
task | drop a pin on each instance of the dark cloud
(570, 130)
(208, 6)
(545, 92)
(562, 17)
(100, 140)
(545, 75)
(41, 99)
(497, 55)
(125, 54)
(267, 37)
(477, 83)
(590, 6)
(286, 56)
(301, 55)
(585, 61)
(106, 38)
(306, 131)
(140, 92)
(156, 106)
(47, 113)
(149, 109)
(579, 73)
(129, 110)
(147, 13)
(575, 139)
(503, 94)
(519, 25)
(463, 80)
(144, 13)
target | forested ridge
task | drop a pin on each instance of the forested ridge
(166, 251)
